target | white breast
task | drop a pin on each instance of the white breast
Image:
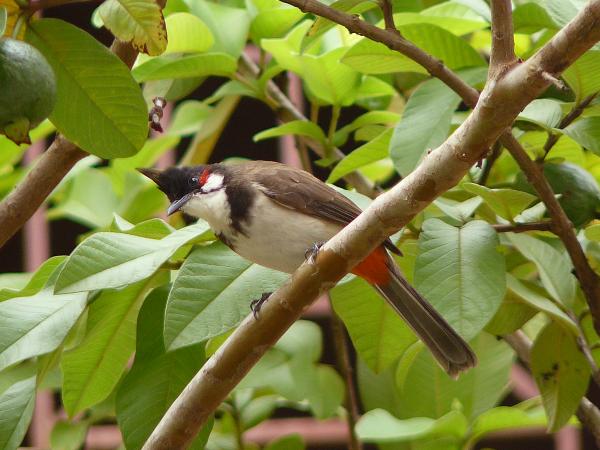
(278, 237)
(274, 236)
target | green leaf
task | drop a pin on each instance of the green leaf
(290, 442)
(152, 150)
(544, 112)
(187, 34)
(533, 296)
(581, 75)
(3, 19)
(274, 23)
(426, 121)
(229, 26)
(88, 184)
(380, 426)
(531, 17)
(379, 335)
(507, 203)
(505, 418)
(156, 378)
(212, 293)
(93, 368)
(446, 16)
(329, 80)
(16, 409)
(429, 392)
(554, 268)
(297, 127)
(36, 324)
(68, 435)
(190, 66)
(592, 233)
(37, 281)
(99, 106)
(563, 11)
(139, 22)
(461, 272)
(586, 132)
(371, 57)
(112, 260)
(460, 211)
(188, 117)
(286, 50)
(561, 373)
(368, 118)
(368, 153)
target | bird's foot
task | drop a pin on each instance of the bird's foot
(311, 253)
(255, 305)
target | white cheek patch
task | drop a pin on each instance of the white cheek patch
(214, 182)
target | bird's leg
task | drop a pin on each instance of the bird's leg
(255, 305)
(311, 253)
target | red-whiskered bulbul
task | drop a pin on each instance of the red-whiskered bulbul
(270, 214)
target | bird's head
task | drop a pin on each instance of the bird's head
(181, 184)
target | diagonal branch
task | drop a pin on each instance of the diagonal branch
(439, 171)
(553, 58)
(503, 41)
(18, 206)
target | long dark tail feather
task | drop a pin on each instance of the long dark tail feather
(450, 350)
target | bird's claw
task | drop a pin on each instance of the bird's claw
(311, 253)
(256, 304)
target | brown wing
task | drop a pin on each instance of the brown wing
(299, 190)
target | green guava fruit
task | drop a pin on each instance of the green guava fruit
(578, 189)
(27, 89)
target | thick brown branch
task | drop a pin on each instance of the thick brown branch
(439, 171)
(286, 112)
(587, 413)
(503, 42)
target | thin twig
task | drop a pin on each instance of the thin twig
(489, 162)
(546, 225)
(388, 16)
(503, 42)
(340, 342)
(565, 122)
(587, 413)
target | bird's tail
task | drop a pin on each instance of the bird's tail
(450, 350)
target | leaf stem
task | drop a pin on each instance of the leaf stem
(335, 117)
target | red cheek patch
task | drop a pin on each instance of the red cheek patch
(203, 177)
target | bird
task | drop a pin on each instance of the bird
(273, 214)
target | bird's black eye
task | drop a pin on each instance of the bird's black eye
(194, 181)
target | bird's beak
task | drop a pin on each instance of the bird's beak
(178, 204)
(153, 174)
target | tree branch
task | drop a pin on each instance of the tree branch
(539, 68)
(546, 225)
(590, 283)
(286, 111)
(388, 16)
(442, 169)
(18, 206)
(587, 413)
(503, 41)
(566, 121)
